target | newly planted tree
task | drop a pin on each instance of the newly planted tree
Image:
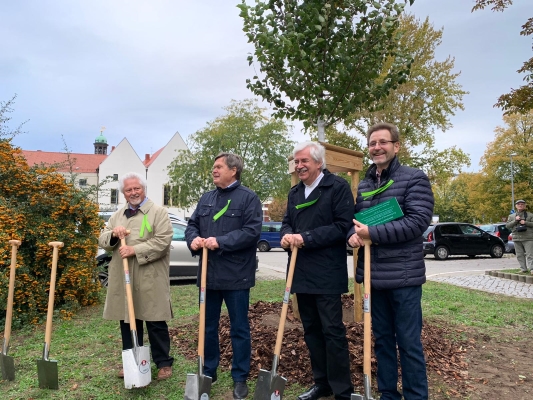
(321, 61)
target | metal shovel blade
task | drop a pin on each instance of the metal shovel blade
(8, 367)
(198, 386)
(269, 386)
(368, 390)
(47, 373)
(136, 364)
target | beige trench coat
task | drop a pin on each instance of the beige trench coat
(149, 269)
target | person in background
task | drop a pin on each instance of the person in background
(521, 226)
(148, 252)
(228, 222)
(397, 263)
(318, 217)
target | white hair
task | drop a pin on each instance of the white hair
(317, 151)
(131, 175)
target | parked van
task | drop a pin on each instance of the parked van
(270, 236)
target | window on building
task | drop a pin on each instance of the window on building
(82, 182)
(167, 198)
(115, 177)
(114, 196)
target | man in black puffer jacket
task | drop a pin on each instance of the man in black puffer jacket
(318, 216)
(397, 259)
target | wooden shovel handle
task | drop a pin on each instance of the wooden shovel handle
(367, 345)
(51, 294)
(357, 297)
(9, 312)
(285, 307)
(203, 285)
(129, 296)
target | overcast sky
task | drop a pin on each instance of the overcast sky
(145, 69)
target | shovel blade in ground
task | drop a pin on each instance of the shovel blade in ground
(47, 373)
(8, 367)
(136, 363)
(269, 386)
(197, 387)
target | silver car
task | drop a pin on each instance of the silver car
(182, 264)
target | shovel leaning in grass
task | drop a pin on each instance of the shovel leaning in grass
(198, 386)
(7, 364)
(270, 385)
(47, 369)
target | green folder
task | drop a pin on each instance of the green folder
(380, 213)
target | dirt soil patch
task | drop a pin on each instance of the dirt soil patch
(462, 362)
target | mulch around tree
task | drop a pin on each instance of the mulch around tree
(445, 357)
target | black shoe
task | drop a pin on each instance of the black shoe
(240, 390)
(315, 392)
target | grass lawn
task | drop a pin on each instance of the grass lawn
(88, 348)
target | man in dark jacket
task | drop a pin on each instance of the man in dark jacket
(228, 222)
(318, 217)
(521, 224)
(398, 269)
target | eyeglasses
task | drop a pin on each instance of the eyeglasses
(381, 143)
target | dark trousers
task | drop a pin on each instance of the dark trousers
(157, 335)
(325, 336)
(237, 302)
(397, 321)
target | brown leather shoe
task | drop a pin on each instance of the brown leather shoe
(121, 373)
(164, 373)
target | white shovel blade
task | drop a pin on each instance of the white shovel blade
(139, 374)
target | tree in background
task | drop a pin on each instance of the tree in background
(518, 100)
(421, 105)
(452, 198)
(262, 142)
(38, 206)
(485, 197)
(277, 208)
(325, 57)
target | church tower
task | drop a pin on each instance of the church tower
(100, 143)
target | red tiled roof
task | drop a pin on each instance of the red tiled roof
(152, 159)
(80, 162)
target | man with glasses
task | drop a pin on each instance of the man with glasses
(397, 263)
(521, 224)
(148, 252)
(318, 216)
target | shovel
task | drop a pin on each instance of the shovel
(47, 369)
(367, 333)
(198, 386)
(136, 361)
(7, 364)
(270, 385)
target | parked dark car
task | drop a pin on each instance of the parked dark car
(456, 238)
(270, 236)
(498, 230)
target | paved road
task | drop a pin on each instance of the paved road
(460, 271)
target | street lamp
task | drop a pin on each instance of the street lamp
(512, 181)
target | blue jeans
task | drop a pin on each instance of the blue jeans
(237, 302)
(397, 321)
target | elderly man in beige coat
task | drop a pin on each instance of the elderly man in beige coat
(147, 250)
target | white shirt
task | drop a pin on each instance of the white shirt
(312, 186)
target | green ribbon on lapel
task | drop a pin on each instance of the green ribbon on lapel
(309, 203)
(221, 212)
(145, 224)
(366, 195)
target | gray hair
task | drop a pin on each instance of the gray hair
(393, 129)
(232, 161)
(317, 151)
(131, 175)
